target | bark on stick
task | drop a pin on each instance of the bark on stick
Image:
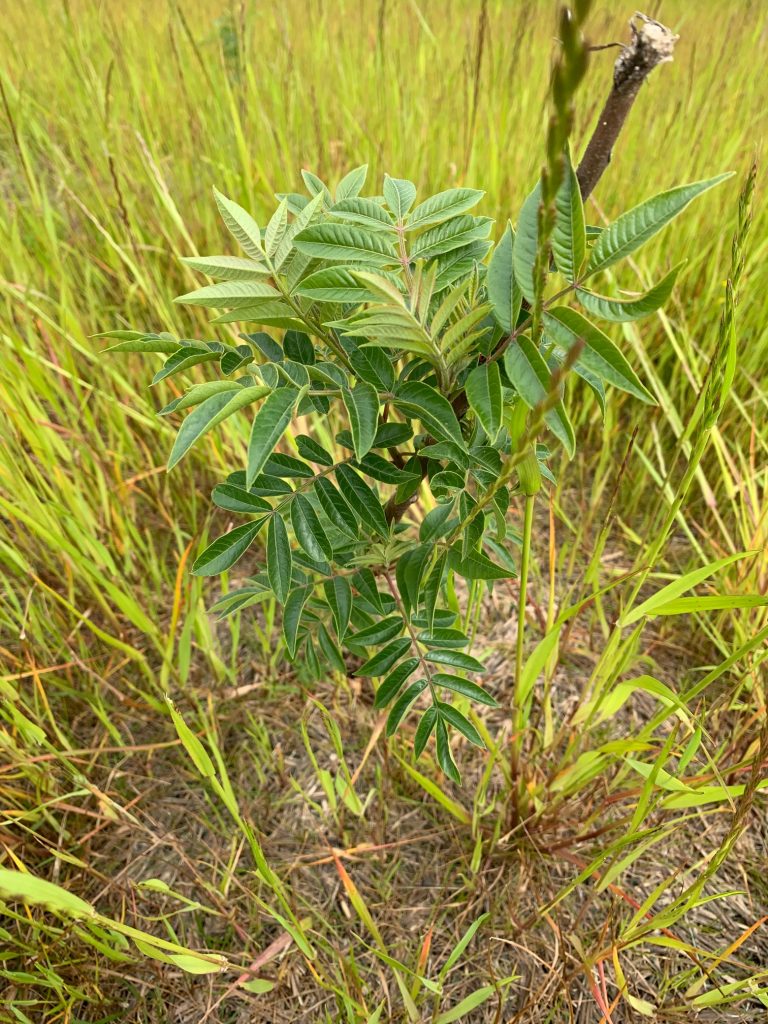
(652, 43)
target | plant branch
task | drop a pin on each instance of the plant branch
(517, 711)
(415, 645)
(652, 43)
(394, 510)
(535, 423)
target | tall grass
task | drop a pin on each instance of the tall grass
(117, 119)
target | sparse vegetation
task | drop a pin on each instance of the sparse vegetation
(203, 815)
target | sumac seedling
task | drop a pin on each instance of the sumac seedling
(442, 358)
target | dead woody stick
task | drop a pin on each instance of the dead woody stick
(652, 43)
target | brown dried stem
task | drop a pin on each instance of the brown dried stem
(652, 43)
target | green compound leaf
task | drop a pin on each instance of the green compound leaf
(185, 357)
(298, 346)
(633, 228)
(133, 341)
(483, 389)
(365, 583)
(363, 501)
(228, 268)
(399, 195)
(444, 756)
(456, 659)
(452, 234)
(409, 573)
(276, 229)
(531, 377)
(464, 687)
(196, 425)
(431, 590)
(599, 355)
(402, 705)
(500, 283)
(443, 637)
(241, 225)
(569, 238)
(229, 295)
(444, 206)
(292, 612)
(455, 718)
(308, 529)
(352, 183)
(238, 499)
(424, 731)
(333, 284)
(620, 311)
(210, 414)
(227, 549)
(310, 450)
(374, 366)
(417, 399)
(336, 508)
(384, 659)
(526, 243)
(363, 211)
(394, 682)
(362, 405)
(269, 425)
(346, 243)
(338, 594)
(476, 566)
(378, 632)
(315, 186)
(279, 558)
